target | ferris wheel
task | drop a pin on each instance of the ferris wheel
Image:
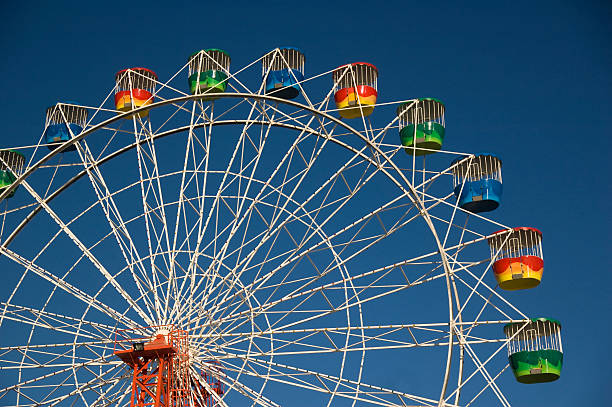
(257, 236)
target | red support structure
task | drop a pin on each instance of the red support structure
(161, 369)
(154, 362)
(150, 384)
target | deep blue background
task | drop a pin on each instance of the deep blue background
(529, 81)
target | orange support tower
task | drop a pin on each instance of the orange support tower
(160, 365)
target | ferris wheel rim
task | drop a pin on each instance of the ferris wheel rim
(411, 193)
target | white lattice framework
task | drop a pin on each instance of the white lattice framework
(311, 257)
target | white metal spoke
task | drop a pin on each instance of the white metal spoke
(297, 252)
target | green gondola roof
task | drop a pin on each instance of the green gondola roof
(207, 50)
(14, 151)
(404, 104)
(541, 319)
(290, 48)
(218, 50)
(433, 99)
(399, 108)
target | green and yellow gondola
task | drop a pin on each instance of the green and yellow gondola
(208, 72)
(11, 165)
(421, 124)
(535, 352)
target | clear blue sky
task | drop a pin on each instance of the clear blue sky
(530, 81)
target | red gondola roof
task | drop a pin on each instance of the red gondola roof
(521, 228)
(135, 69)
(357, 63)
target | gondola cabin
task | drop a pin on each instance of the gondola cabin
(283, 70)
(477, 182)
(63, 122)
(535, 352)
(421, 124)
(134, 89)
(355, 89)
(517, 258)
(11, 165)
(208, 72)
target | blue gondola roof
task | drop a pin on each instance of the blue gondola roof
(68, 102)
(291, 48)
(477, 155)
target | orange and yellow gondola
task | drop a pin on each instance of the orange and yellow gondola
(134, 89)
(517, 258)
(355, 89)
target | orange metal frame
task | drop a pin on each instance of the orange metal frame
(161, 368)
(159, 362)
